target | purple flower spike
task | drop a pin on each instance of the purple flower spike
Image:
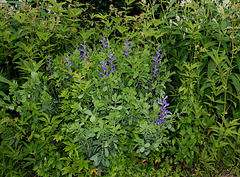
(163, 109)
(50, 71)
(167, 111)
(164, 102)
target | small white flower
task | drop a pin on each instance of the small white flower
(226, 4)
(178, 18)
(175, 23)
(185, 3)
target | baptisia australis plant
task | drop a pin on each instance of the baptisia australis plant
(83, 55)
(104, 43)
(84, 52)
(69, 64)
(157, 59)
(127, 50)
(49, 66)
(108, 66)
(163, 104)
(117, 109)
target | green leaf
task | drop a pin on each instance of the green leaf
(106, 162)
(106, 152)
(235, 82)
(223, 25)
(76, 107)
(47, 129)
(147, 145)
(93, 118)
(215, 56)
(20, 17)
(211, 68)
(43, 36)
(142, 149)
(86, 34)
(129, 2)
(57, 137)
(119, 108)
(88, 112)
(105, 88)
(3, 94)
(238, 61)
(171, 3)
(4, 80)
(158, 22)
(135, 75)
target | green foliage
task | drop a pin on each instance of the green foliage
(61, 119)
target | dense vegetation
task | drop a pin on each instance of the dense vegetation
(123, 88)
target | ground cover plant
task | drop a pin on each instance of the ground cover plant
(147, 88)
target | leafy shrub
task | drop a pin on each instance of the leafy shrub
(100, 104)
